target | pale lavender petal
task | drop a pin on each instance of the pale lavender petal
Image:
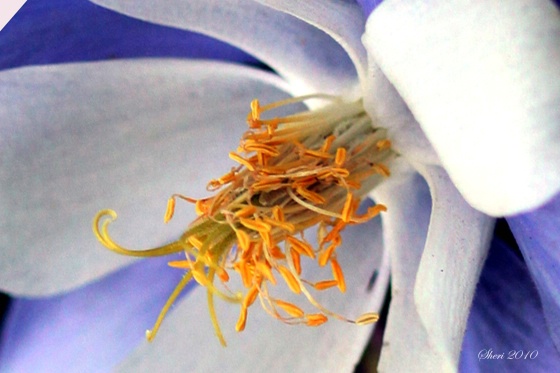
(405, 226)
(481, 79)
(343, 21)
(388, 110)
(307, 57)
(506, 331)
(90, 329)
(456, 248)
(538, 236)
(58, 31)
(126, 135)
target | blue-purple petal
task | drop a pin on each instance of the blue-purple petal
(538, 236)
(369, 5)
(506, 331)
(58, 31)
(90, 329)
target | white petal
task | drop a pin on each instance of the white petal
(79, 138)
(482, 80)
(308, 58)
(343, 21)
(405, 225)
(388, 110)
(456, 248)
(186, 341)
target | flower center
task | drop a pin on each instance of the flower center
(295, 172)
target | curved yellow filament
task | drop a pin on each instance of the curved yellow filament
(104, 237)
(150, 334)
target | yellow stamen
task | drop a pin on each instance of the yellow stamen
(293, 172)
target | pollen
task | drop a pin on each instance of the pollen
(292, 173)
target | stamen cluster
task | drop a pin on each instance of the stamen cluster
(294, 172)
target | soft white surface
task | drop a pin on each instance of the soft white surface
(186, 341)
(481, 77)
(79, 138)
(456, 247)
(307, 57)
(406, 346)
(388, 110)
(343, 21)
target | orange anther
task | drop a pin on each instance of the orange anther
(255, 109)
(340, 156)
(280, 224)
(244, 272)
(278, 213)
(291, 309)
(327, 144)
(261, 148)
(334, 234)
(301, 247)
(170, 209)
(251, 296)
(296, 260)
(333, 172)
(243, 239)
(347, 209)
(255, 225)
(276, 252)
(181, 264)
(322, 285)
(290, 279)
(267, 184)
(326, 254)
(267, 239)
(240, 325)
(265, 270)
(222, 274)
(367, 318)
(239, 159)
(316, 319)
(311, 196)
(338, 275)
(245, 211)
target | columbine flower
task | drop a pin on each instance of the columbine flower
(496, 146)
